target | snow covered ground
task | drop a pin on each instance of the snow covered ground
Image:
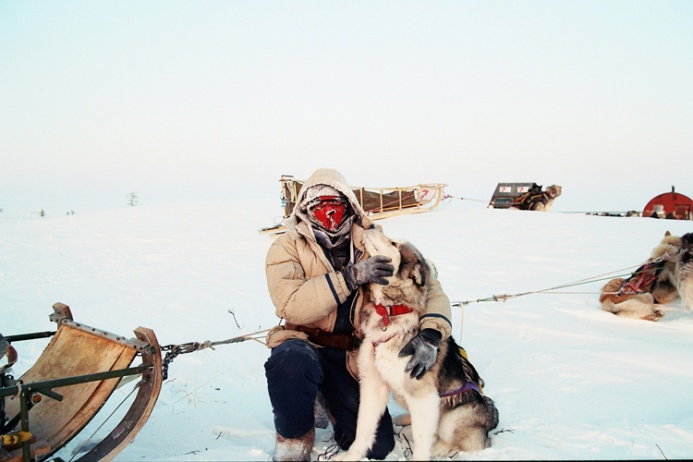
(570, 381)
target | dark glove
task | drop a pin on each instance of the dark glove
(424, 348)
(372, 269)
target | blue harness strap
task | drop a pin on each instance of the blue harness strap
(468, 386)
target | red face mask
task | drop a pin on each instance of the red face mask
(329, 212)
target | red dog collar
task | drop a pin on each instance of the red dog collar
(394, 310)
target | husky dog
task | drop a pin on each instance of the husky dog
(548, 197)
(536, 199)
(683, 273)
(642, 295)
(449, 412)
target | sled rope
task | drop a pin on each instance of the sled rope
(172, 351)
(550, 290)
(448, 196)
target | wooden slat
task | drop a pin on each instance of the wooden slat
(71, 353)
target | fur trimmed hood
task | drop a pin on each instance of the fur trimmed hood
(298, 222)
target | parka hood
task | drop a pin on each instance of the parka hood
(334, 179)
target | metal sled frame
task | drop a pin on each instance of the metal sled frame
(85, 365)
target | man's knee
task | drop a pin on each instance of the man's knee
(294, 359)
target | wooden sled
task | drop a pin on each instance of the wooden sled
(378, 203)
(70, 382)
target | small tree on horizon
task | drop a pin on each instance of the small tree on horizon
(133, 200)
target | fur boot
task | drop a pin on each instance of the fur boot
(320, 413)
(294, 449)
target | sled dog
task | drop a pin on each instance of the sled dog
(449, 412)
(642, 295)
(536, 199)
(548, 198)
(684, 271)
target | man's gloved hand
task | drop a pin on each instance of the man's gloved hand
(372, 269)
(424, 348)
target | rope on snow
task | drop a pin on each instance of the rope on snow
(550, 290)
(449, 196)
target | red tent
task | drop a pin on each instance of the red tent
(670, 205)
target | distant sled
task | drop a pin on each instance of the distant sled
(378, 203)
(524, 196)
(506, 193)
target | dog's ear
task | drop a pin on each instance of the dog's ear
(686, 240)
(418, 274)
(413, 265)
(667, 234)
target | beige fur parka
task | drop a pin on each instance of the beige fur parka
(306, 290)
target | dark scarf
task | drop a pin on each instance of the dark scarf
(337, 244)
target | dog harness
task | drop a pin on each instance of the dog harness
(394, 310)
(528, 199)
(468, 386)
(643, 284)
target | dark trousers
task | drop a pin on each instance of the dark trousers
(296, 371)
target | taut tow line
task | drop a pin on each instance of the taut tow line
(550, 290)
(172, 351)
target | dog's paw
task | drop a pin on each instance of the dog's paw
(655, 316)
(442, 449)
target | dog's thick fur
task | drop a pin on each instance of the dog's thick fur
(538, 200)
(683, 272)
(642, 295)
(549, 196)
(441, 426)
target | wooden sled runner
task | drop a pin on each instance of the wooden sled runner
(77, 372)
(378, 203)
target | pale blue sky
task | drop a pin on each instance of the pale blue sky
(176, 99)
